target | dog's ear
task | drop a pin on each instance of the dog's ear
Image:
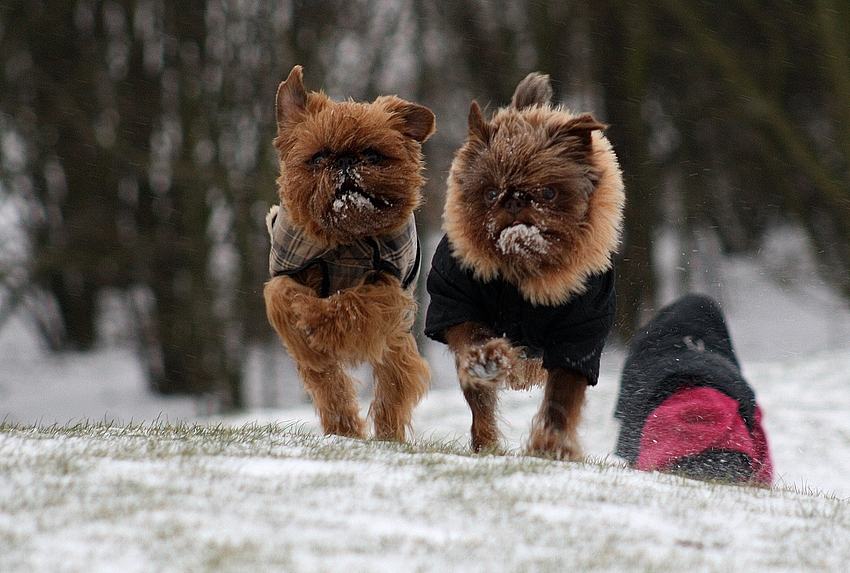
(291, 100)
(417, 122)
(535, 89)
(478, 127)
(579, 128)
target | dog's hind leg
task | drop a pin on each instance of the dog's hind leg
(334, 394)
(401, 380)
(554, 431)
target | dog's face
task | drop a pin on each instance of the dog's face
(522, 188)
(348, 170)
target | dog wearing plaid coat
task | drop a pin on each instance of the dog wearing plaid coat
(345, 254)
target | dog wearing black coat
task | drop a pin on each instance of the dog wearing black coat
(522, 285)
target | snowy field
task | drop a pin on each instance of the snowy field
(270, 498)
(162, 488)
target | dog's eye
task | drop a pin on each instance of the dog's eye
(548, 193)
(317, 158)
(491, 194)
(373, 157)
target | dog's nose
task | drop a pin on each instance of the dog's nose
(345, 162)
(514, 204)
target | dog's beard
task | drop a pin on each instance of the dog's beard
(351, 196)
(354, 200)
(522, 243)
(355, 210)
(522, 240)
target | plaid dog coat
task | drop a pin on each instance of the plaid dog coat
(346, 265)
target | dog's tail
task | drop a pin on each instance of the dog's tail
(535, 89)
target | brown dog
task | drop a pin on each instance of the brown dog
(522, 286)
(345, 253)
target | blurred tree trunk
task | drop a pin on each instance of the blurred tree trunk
(65, 105)
(108, 97)
(197, 348)
(624, 42)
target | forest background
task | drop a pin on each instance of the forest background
(136, 163)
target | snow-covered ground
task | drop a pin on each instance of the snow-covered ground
(278, 499)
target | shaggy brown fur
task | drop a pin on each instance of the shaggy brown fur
(535, 196)
(328, 151)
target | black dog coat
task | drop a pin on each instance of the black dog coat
(569, 335)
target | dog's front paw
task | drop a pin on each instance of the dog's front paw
(486, 363)
(334, 324)
(311, 324)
